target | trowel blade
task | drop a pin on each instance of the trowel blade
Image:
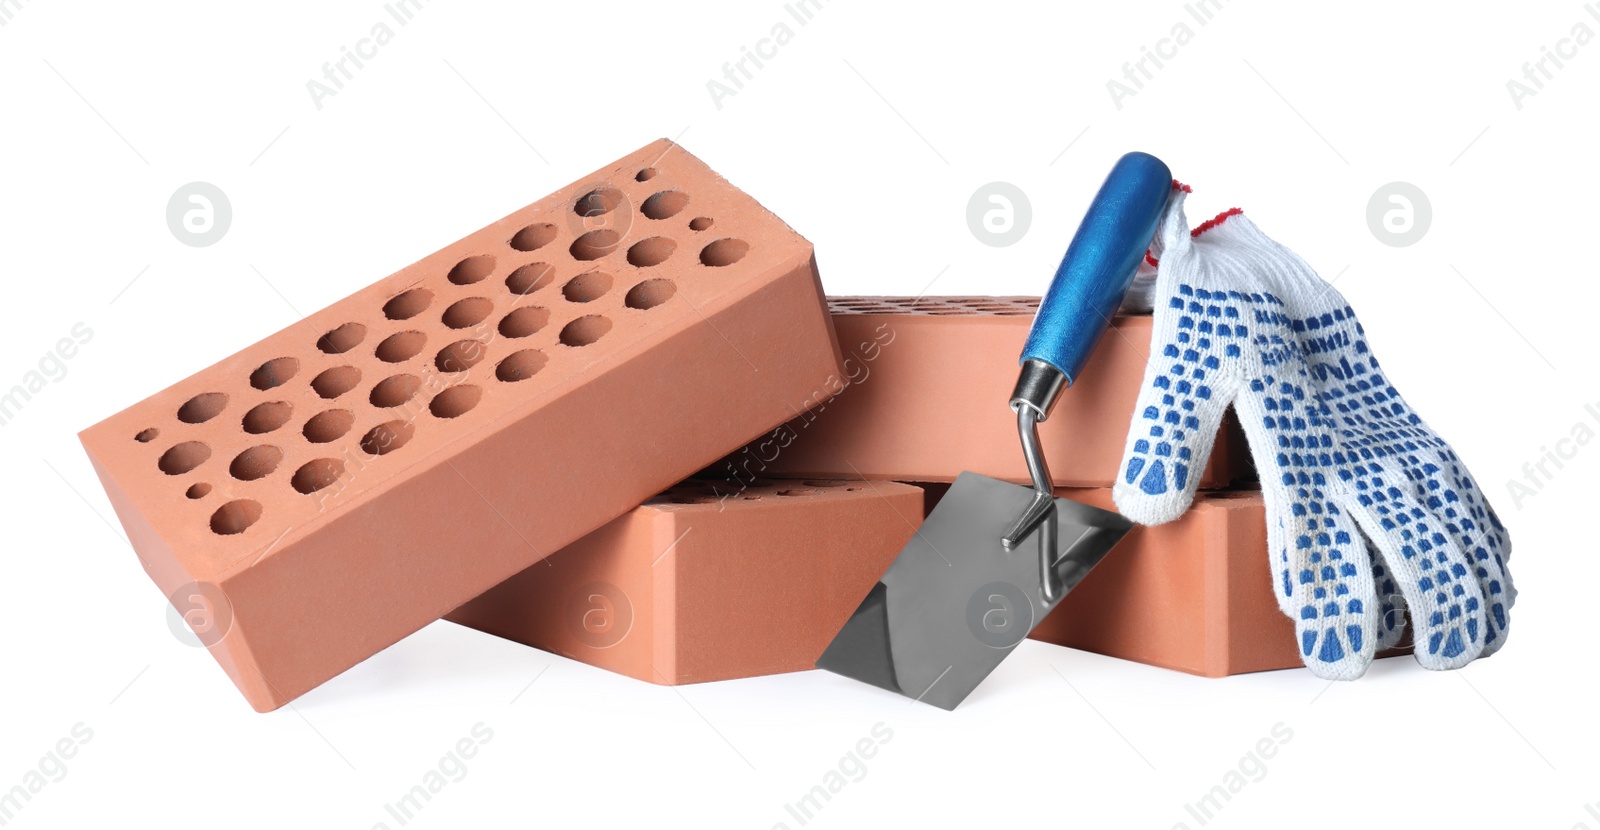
(956, 602)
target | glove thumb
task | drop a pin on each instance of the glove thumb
(1185, 391)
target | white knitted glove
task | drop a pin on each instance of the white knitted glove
(1368, 510)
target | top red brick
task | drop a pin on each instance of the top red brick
(357, 475)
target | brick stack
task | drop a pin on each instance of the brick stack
(624, 425)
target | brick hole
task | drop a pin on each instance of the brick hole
(645, 175)
(316, 474)
(398, 348)
(587, 287)
(472, 269)
(396, 390)
(652, 251)
(460, 356)
(533, 237)
(467, 313)
(524, 321)
(408, 304)
(597, 202)
(182, 458)
(387, 437)
(520, 365)
(198, 490)
(336, 381)
(585, 330)
(595, 244)
(256, 462)
(274, 373)
(202, 407)
(266, 417)
(235, 517)
(530, 278)
(700, 223)
(796, 492)
(724, 252)
(665, 204)
(328, 426)
(456, 401)
(145, 436)
(650, 293)
(342, 339)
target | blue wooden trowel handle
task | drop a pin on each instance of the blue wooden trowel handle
(1099, 265)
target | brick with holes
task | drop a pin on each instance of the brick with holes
(709, 582)
(927, 383)
(352, 478)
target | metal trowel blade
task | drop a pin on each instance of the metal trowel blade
(956, 602)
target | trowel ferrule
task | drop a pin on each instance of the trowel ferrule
(1038, 387)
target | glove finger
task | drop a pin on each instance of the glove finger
(1391, 619)
(1472, 522)
(1189, 381)
(1288, 438)
(1427, 565)
(1325, 572)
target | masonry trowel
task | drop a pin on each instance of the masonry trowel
(993, 558)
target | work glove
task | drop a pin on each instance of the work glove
(1369, 512)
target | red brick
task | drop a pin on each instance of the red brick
(539, 378)
(1194, 594)
(928, 382)
(709, 581)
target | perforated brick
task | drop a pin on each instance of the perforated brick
(927, 382)
(709, 581)
(356, 476)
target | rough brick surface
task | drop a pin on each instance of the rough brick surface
(927, 383)
(710, 580)
(352, 478)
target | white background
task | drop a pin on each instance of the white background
(867, 132)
